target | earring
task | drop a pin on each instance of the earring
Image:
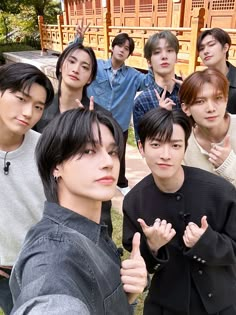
(56, 179)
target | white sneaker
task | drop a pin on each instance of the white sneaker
(124, 190)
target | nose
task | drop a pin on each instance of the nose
(163, 54)
(106, 160)
(27, 110)
(210, 106)
(165, 152)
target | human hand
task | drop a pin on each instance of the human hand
(133, 271)
(179, 81)
(81, 29)
(219, 153)
(193, 232)
(164, 102)
(91, 103)
(157, 235)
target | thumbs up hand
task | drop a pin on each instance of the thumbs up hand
(133, 271)
(219, 153)
(193, 232)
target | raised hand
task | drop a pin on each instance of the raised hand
(81, 29)
(219, 153)
(164, 102)
(157, 235)
(91, 103)
(133, 271)
(193, 232)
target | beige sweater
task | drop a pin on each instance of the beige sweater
(196, 156)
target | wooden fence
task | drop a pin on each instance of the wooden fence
(57, 37)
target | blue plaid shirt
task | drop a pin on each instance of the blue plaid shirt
(147, 100)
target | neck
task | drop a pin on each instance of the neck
(116, 64)
(171, 184)
(165, 81)
(68, 98)
(212, 135)
(9, 141)
(222, 67)
(91, 209)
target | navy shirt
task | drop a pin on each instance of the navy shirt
(69, 256)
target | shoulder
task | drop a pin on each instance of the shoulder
(207, 181)
(32, 137)
(143, 186)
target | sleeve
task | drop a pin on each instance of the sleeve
(227, 169)
(144, 81)
(47, 269)
(130, 227)
(218, 248)
(52, 305)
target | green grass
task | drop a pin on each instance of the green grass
(117, 237)
(131, 137)
(1, 312)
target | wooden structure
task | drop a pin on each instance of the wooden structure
(140, 19)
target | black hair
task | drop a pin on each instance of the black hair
(20, 77)
(220, 35)
(66, 53)
(158, 122)
(120, 40)
(66, 136)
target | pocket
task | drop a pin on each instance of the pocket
(101, 86)
(117, 303)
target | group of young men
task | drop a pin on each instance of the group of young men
(185, 216)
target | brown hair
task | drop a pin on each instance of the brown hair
(194, 82)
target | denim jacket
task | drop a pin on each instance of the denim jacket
(68, 265)
(116, 92)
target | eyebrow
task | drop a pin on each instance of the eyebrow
(171, 140)
(208, 42)
(87, 63)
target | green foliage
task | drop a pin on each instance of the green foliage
(131, 137)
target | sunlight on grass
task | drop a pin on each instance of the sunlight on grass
(117, 237)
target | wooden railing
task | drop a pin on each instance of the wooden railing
(57, 37)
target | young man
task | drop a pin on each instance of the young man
(213, 46)
(187, 219)
(24, 94)
(76, 68)
(212, 144)
(115, 88)
(68, 264)
(161, 52)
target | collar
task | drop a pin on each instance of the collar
(231, 75)
(160, 89)
(73, 220)
(108, 66)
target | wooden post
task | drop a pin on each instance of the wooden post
(196, 25)
(41, 22)
(60, 23)
(106, 24)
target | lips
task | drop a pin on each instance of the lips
(73, 77)
(23, 122)
(207, 58)
(211, 117)
(106, 180)
(165, 64)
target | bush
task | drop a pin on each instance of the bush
(14, 47)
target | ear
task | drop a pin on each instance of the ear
(141, 148)
(57, 171)
(186, 109)
(149, 63)
(226, 48)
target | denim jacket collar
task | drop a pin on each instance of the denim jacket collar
(73, 220)
(108, 65)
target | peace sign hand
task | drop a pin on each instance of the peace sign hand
(81, 29)
(166, 103)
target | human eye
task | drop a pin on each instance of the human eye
(71, 60)
(113, 152)
(86, 68)
(155, 144)
(39, 107)
(89, 151)
(156, 52)
(177, 146)
(170, 50)
(219, 97)
(20, 97)
(199, 101)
